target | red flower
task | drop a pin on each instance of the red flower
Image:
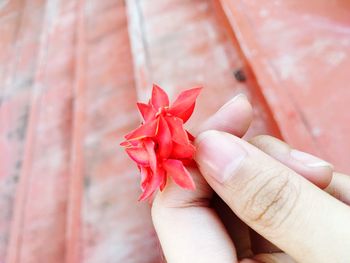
(160, 145)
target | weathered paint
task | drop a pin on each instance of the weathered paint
(71, 72)
(300, 55)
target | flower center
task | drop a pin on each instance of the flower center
(162, 111)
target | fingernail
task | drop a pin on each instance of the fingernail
(218, 155)
(308, 159)
(234, 100)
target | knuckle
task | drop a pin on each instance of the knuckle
(268, 200)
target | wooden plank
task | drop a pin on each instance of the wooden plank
(16, 76)
(300, 55)
(73, 231)
(179, 44)
(39, 213)
(116, 228)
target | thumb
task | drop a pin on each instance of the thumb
(275, 201)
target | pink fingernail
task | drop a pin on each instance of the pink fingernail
(308, 159)
(219, 155)
(233, 100)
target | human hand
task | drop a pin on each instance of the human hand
(190, 230)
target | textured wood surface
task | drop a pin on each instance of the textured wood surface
(300, 55)
(71, 72)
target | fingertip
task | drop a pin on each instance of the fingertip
(321, 176)
(312, 168)
(234, 117)
(184, 219)
(218, 154)
(308, 166)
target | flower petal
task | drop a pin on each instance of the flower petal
(163, 136)
(138, 155)
(146, 110)
(159, 98)
(184, 104)
(185, 115)
(190, 136)
(155, 180)
(145, 173)
(125, 144)
(161, 146)
(132, 143)
(148, 129)
(179, 173)
(178, 133)
(181, 151)
(149, 145)
(189, 162)
(162, 186)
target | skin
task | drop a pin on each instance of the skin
(269, 202)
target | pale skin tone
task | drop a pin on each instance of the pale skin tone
(296, 202)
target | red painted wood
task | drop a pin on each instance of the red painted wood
(14, 99)
(116, 227)
(73, 226)
(300, 55)
(38, 223)
(73, 74)
(182, 44)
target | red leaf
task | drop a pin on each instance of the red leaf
(179, 173)
(177, 130)
(147, 112)
(159, 98)
(181, 151)
(139, 155)
(165, 144)
(184, 104)
(147, 129)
